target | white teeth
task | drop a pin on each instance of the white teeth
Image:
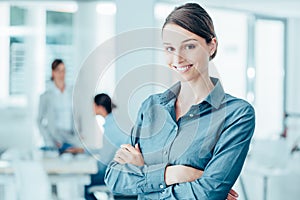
(183, 68)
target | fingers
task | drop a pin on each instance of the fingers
(129, 154)
(123, 154)
(232, 195)
(119, 160)
(137, 147)
(128, 147)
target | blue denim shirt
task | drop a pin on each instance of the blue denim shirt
(112, 139)
(213, 136)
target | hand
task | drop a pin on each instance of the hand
(232, 195)
(74, 150)
(58, 145)
(129, 154)
(180, 174)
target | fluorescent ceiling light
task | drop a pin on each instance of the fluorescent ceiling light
(106, 8)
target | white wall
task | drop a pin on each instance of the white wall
(293, 70)
(293, 81)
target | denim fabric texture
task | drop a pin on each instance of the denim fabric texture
(213, 136)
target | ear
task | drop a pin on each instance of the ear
(213, 46)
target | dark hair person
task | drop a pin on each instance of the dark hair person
(191, 141)
(55, 66)
(55, 117)
(105, 101)
(195, 19)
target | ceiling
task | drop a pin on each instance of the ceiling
(279, 8)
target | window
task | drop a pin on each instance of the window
(59, 43)
(17, 66)
(17, 16)
(17, 84)
(250, 62)
(59, 28)
(230, 62)
(269, 59)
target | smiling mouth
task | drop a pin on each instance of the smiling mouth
(183, 68)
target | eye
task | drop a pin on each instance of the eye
(170, 49)
(189, 46)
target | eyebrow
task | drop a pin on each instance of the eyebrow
(187, 40)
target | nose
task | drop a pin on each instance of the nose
(178, 58)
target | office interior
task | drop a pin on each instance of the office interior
(257, 60)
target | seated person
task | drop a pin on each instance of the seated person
(55, 119)
(112, 139)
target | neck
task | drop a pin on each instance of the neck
(104, 114)
(60, 85)
(195, 91)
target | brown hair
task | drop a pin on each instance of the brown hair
(55, 64)
(194, 18)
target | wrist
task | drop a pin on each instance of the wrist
(170, 175)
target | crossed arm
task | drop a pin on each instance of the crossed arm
(173, 174)
(229, 152)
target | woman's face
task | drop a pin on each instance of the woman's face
(59, 73)
(186, 52)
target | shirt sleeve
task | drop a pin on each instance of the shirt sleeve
(42, 121)
(226, 164)
(129, 179)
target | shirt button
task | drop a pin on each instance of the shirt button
(191, 115)
(161, 186)
(165, 152)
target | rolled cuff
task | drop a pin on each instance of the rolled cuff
(155, 177)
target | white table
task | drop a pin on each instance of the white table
(266, 172)
(68, 176)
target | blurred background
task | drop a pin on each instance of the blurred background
(257, 60)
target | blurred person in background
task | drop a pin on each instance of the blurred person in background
(55, 119)
(113, 137)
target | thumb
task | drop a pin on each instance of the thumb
(137, 147)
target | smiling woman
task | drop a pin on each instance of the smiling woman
(189, 142)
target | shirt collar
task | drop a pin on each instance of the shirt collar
(214, 98)
(52, 87)
(170, 94)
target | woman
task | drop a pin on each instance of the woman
(113, 135)
(189, 142)
(113, 138)
(55, 113)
